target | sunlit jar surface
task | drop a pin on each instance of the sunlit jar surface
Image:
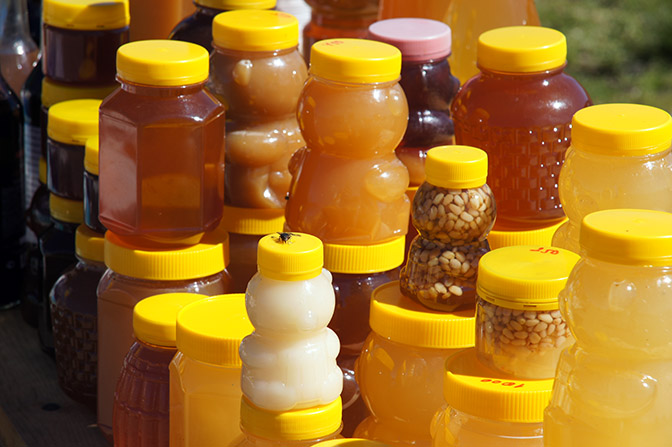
(161, 145)
(348, 186)
(257, 72)
(614, 386)
(519, 109)
(400, 370)
(453, 210)
(620, 157)
(205, 373)
(81, 39)
(519, 329)
(485, 408)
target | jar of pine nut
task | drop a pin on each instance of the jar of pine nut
(519, 329)
(453, 210)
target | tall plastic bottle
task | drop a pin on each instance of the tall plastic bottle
(428, 9)
(18, 52)
(614, 385)
(519, 110)
(141, 402)
(205, 373)
(468, 19)
(620, 157)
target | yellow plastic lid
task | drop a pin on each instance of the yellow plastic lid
(525, 276)
(296, 425)
(521, 49)
(479, 391)
(53, 93)
(74, 121)
(91, 155)
(356, 259)
(350, 442)
(66, 210)
(290, 256)
(229, 5)
(253, 221)
(89, 244)
(627, 236)
(163, 63)
(43, 170)
(86, 15)
(255, 30)
(357, 61)
(165, 263)
(622, 129)
(400, 319)
(155, 317)
(501, 236)
(456, 167)
(211, 330)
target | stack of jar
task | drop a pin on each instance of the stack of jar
(348, 187)
(161, 193)
(80, 42)
(290, 380)
(257, 71)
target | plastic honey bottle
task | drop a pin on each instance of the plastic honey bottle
(518, 109)
(620, 157)
(614, 386)
(205, 373)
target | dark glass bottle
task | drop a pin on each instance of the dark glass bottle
(12, 227)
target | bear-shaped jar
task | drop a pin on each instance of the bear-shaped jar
(258, 73)
(348, 186)
(289, 361)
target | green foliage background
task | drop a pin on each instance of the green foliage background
(620, 50)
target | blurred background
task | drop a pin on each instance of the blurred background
(620, 50)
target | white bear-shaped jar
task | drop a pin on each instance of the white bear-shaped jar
(289, 361)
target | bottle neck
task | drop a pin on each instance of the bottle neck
(488, 73)
(14, 24)
(157, 91)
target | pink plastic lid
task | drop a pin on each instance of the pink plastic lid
(417, 39)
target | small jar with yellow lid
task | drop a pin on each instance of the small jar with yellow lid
(135, 272)
(57, 245)
(70, 124)
(161, 145)
(453, 210)
(614, 386)
(74, 318)
(205, 373)
(519, 329)
(197, 28)
(485, 408)
(141, 399)
(401, 367)
(296, 428)
(91, 185)
(348, 186)
(620, 157)
(257, 72)
(81, 39)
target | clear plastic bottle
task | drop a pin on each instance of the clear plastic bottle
(257, 71)
(161, 145)
(71, 123)
(136, 272)
(485, 408)
(614, 386)
(401, 367)
(81, 39)
(289, 361)
(348, 186)
(197, 28)
(468, 19)
(453, 210)
(75, 319)
(519, 329)
(205, 373)
(18, 52)
(620, 157)
(519, 110)
(141, 402)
